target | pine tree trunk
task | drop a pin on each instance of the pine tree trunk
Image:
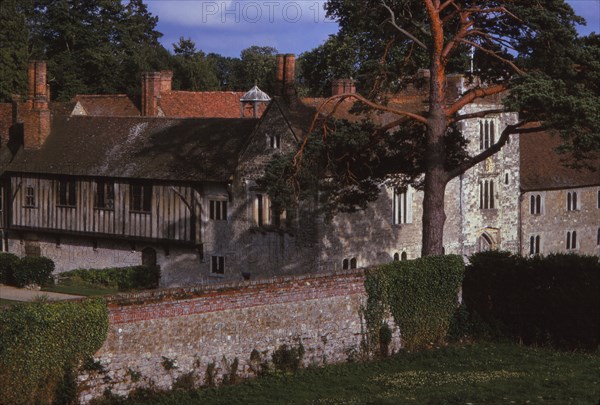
(436, 177)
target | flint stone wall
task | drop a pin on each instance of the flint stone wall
(155, 338)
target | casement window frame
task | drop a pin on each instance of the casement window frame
(140, 197)
(104, 198)
(536, 204)
(66, 193)
(488, 129)
(217, 265)
(29, 196)
(218, 209)
(402, 207)
(487, 194)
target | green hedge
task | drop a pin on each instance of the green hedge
(41, 343)
(123, 278)
(539, 300)
(421, 295)
(33, 270)
(8, 262)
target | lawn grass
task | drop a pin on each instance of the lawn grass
(475, 374)
(78, 287)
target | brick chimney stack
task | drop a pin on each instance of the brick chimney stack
(279, 74)
(285, 77)
(36, 117)
(343, 86)
(151, 86)
(166, 81)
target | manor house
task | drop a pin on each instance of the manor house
(170, 180)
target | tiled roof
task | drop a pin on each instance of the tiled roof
(140, 147)
(110, 105)
(544, 169)
(216, 104)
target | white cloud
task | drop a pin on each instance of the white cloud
(234, 13)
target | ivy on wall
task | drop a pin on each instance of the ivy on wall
(41, 344)
(420, 295)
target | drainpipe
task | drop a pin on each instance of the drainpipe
(520, 222)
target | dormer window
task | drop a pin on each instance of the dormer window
(275, 141)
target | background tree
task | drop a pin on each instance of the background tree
(13, 51)
(529, 51)
(257, 65)
(92, 46)
(193, 71)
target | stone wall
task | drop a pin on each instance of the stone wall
(553, 221)
(155, 338)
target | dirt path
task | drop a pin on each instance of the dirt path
(21, 294)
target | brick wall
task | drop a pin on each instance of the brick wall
(193, 328)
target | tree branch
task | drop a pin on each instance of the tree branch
(400, 29)
(493, 149)
(473, 94)
(494, 55)
(475, 115)
(338, 99)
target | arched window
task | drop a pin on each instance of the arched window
(484, 243)
(353, 263)
(404, 256)
(598, 238)
(506, 178)
(537, 244)
(480, 135)
(569, 202)
(574, 200)
(568, 240)
(532, 245)
(538, 204)
(574, 240)
(396, 257)
(345, 264)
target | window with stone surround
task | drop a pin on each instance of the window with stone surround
(29, 197)
(486, 195)
(534, 245)
(487, 133)
(598, 238)
(218, 210)
(402, 207)
(275, 141)
(217, 265)
(265, 213)
(572, 203)
(349, 263)
(571, 240)
(536, 203)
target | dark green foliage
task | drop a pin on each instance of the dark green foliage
(8, 263)
(40, 342)
(551, 300)
(288, 358)
(13, 51)
(231, 377)
(421, 295)
(124, 278)
(33, 270)
(193, 71)
(211, 373)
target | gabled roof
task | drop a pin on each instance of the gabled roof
(542, 168)
(139, 148)
(105, 105)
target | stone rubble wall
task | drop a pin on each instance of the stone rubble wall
(156, 337)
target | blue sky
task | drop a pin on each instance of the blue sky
(291, 26)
